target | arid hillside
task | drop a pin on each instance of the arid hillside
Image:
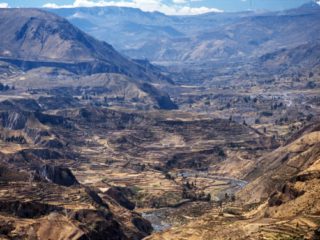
(280, 202)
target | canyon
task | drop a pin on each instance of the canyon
(212, 134)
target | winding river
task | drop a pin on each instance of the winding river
(160, 218)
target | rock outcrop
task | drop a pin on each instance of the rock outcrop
(58, 175)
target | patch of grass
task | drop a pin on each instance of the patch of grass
(136, 189)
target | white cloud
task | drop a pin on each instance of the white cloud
(179, 1)
(146, 5)
(4, 5)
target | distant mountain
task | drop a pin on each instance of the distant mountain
(123, 27)
(305, 57)
(37, 37)
(255, 35)
(306, 8)
(211, 36)
(141, 34)
(52, 52)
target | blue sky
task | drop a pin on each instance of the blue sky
(166, 6)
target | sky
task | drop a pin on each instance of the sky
(171, 7)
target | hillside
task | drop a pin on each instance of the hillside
(40, 38)
(46, 51)
(280, 202)
(304, 57)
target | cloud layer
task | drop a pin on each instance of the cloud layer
(4, 5)
(178, 7)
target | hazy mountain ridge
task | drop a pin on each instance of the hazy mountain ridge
(196, 38)
(304, 56)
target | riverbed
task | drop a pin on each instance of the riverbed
(218, 186)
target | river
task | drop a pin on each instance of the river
(161, 219)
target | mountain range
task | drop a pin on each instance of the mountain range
(210, 36)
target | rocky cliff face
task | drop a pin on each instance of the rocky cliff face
(58, 175)
(14, 120)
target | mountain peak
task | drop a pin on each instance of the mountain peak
(312, 5)
(43, 37)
